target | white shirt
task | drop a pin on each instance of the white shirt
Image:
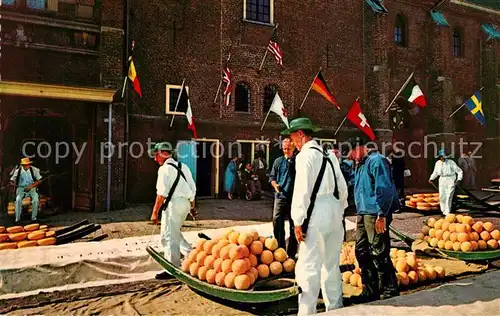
(26, 178)
(166, 178)
(307, 165)
(448, 168)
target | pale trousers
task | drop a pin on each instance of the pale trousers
(172, 240)
(20, 195)
(446, 191)
(319, 255)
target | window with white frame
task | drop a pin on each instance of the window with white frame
(260, 11)
(172, 94)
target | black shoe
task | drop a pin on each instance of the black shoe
(364, 297)
(388, 294)
(164, 276)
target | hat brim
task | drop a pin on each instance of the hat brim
(26, 163)
(290, 130)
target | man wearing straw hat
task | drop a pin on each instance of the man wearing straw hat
(318, 204)
(175, 189)
(26, 180)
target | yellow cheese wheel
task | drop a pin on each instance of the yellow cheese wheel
(422, 204)
(424, 208)
(26, 202)
(429, 200)
(11, 213)
(47, 241)
(15, 229)
(17, 236)
(428, 195)
(43, 227)
(27, 243)
(413, 200)
(408, 197)
(36, 235)
(419, 195)
(8, 245)
(2, 229)
(11, 209)
(4, 237)
(434, 204)
(50, 233)
(31, 227)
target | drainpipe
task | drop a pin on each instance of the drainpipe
(127, 34)
(110, 130)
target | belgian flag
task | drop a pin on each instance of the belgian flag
(132, 75)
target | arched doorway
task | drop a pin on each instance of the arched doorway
(46, 140)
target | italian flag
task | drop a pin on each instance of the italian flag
(414, 94)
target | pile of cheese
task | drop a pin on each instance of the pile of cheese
(32, 235)
(423, 201)
(237, 259)
(460, 233)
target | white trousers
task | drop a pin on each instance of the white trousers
(319, 255)
(172, 240)
(446, 190)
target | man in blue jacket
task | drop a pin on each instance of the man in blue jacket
(376, 198)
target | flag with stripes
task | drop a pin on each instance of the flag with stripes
(274, 48)
(226, 78)
(132, 75)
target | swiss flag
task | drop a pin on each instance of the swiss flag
(356, 116)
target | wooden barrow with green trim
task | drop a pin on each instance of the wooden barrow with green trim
(484, 255)
(253, 295)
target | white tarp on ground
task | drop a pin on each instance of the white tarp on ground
(30, 270)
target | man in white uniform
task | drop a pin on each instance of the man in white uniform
(26, 179)
(317, 219)
(180, 203)
(449, 176)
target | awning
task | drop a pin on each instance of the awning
(376, 6)
(491, 30)
(38, 90)
(439, 18)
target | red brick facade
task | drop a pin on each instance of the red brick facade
(353, 45)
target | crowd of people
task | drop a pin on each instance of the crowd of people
(312, 188)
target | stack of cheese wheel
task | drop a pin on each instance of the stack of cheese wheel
(410, 270)
(347, 254)
(237, 259)
(28, 236)
(460, 233)
(423, 201)
(11, 209)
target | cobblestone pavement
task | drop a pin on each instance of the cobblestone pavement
(134, 220)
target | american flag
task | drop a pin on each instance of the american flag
(226, 78)
(274, 48)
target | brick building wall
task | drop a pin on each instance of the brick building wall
(353, 45)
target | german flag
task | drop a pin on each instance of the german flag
(132, 75)
(319, 85)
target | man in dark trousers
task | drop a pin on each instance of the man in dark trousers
(376, 199)
(281, 179)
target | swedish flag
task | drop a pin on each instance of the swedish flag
(475, 106)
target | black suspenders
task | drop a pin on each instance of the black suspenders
(317, 184)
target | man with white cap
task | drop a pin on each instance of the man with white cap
(175, 195)
(318, 204)
(450, 175)
(26, 179)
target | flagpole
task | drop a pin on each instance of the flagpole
(343, 121)
(397, 95)
(463, 104)
(268, 113)
(124, 86)
(220, 81)
(177, 103)
(265, 54)
(310, 87)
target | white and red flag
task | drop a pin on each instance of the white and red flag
(356, 116)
